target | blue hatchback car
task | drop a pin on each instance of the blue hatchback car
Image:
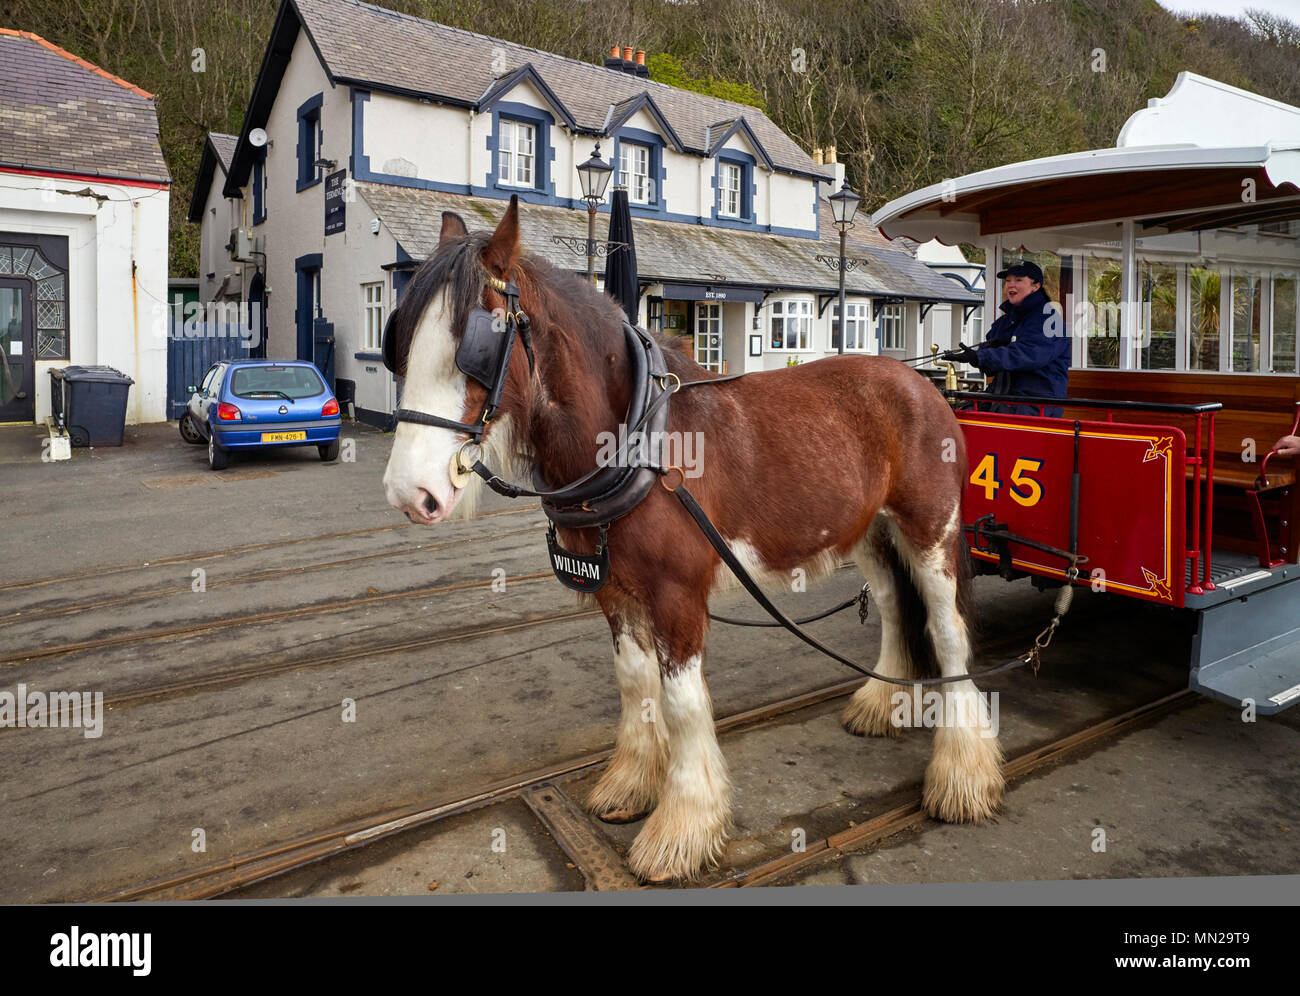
(251, 404)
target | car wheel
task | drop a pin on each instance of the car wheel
(189, 431)
(329, 451)
(218, 457)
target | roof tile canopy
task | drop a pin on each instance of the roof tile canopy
(676, 252)
(62, 114)
(367, 45)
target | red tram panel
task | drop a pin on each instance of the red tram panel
(1131, 498)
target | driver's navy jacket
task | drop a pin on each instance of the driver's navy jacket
(1027, 352)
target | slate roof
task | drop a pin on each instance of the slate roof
(61, 113)
(224, 146)
(674, 251)
(367, 44)
(218, 150)
(379, 49)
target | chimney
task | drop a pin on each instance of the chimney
(613, 61)
(642, 69)
(828, 187)
(818, 157)
(627, 53)
(830, 155)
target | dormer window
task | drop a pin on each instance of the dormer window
(634, 171)
(516, 154)
(729, 192)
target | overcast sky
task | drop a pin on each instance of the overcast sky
(1289, 9)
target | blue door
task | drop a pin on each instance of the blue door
(308, 304)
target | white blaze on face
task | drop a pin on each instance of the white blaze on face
(418, 478)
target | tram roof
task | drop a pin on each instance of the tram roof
(1162, 174)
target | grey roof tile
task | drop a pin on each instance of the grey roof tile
(59, 112)
(675, 251)
(368, 44)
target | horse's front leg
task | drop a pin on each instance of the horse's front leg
(629, 788)
(688, 828)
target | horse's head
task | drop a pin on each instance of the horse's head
(421, 344)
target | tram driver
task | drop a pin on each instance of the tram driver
(1026, 350)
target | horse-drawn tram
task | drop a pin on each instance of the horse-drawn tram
(1175, 262)
(1154, 480)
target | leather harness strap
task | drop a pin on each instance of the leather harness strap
(743, 576)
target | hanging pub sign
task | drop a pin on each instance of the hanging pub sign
(335, 202)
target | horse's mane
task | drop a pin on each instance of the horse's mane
(562, 306)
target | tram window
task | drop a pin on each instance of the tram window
(1103, 276)
(1283, 324)
(1247, 290)
(1159, 342)
(1203, 322)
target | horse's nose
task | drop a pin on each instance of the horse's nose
(430, 503)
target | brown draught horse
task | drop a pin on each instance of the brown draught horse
(848, 456)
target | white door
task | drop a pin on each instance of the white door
(708, 336)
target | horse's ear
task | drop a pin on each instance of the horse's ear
(453, 227)
(503, 248)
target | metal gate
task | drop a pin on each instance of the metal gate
(192, 349)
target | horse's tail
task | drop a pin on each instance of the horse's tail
(914, 615)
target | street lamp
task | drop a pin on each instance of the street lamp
(844, 205)
(594, 176)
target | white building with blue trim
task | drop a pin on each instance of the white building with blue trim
(350, 152)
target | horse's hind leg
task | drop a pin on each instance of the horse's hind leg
(870, 710)
(629, 788)
(964, 781)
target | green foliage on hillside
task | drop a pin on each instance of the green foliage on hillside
(664, 68)
(909, 93)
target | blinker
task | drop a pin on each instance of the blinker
(479, 353)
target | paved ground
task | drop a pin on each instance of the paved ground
(311, 581)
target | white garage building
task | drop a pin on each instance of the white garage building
(83, 228)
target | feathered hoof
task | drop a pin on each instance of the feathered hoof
(967, 792)
(869, 717)
(677, 847)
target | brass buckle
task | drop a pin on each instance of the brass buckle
(680, 474)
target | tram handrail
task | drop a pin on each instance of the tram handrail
(1140, 406)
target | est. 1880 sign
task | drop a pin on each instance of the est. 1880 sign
(335, 202)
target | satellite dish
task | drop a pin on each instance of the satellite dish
(257, 137)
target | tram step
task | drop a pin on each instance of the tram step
(1249, 649)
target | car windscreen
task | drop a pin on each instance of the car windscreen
(275, 382)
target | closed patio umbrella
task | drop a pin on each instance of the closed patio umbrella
(620, 264)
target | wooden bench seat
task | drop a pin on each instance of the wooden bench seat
(1257, 410)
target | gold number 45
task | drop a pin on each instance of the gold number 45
(1024, 489)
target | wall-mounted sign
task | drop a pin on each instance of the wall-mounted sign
(711, 292)
(335, 202)
(756, 345)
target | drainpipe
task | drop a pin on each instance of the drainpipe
(135, 302)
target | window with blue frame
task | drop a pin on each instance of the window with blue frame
(259, 185)
(521, 152)
(516, 153)
(734, 197)
(310, 137)
(634, 172)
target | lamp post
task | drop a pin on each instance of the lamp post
(594, 176)
(844, 205)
